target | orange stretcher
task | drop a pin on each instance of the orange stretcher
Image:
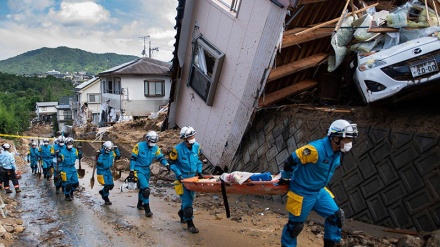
(211, 184)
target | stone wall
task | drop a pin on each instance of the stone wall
(390, 178)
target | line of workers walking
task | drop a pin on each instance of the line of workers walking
(307, 170)
(58, 160)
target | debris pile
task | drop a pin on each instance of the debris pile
(380, 30)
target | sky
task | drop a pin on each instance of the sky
(98, 26)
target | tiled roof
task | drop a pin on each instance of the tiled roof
(141, 66)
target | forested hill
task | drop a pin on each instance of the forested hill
(62, 59)
(19, 94)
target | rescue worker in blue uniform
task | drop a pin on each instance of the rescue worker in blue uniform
(310, 169)
(69, 175)
(55, 151)
(7, 161)
(46, 156)
(185, 163)
(108, 154)
(143, 154)
(33, 157)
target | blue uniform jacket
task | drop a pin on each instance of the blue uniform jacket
(105, 162)
(142, 156)
(68, 159)
(45, 152)
(53, 151)
(186, 162)
(317, 163)
(34, 154)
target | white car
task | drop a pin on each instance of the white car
(385, 73)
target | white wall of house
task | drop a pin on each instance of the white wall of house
(133, 100)
(46, 110)
(249, 42)
(91, 95)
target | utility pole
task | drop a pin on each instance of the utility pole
(143, 51)
(151, 49)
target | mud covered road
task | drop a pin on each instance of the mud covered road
(86, 221)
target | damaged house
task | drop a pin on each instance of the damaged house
(259, 78)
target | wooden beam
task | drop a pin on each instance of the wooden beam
(286, 92)
(335, 20)
(298, 65)
(290, 39)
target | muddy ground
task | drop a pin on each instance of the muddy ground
(48, 220)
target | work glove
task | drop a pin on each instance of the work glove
(283, 181)
(180, 178)
(59, 159)
(57, 151)
(167, 166)
(289, 163)
(118, 157)
(131, 174)
(200, 175)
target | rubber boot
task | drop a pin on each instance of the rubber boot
(8, 190)
(68, 198)
(57, 189)
(107, 201)
(71, 195)
(329, 243)
(148, 212)
(140, 206)
(180, 213)
(102, 194)
(191, 227)
(17, 190)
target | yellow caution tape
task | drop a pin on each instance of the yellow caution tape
(40, 138)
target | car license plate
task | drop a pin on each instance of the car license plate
(424, 68)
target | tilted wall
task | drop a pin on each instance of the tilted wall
(390, 178)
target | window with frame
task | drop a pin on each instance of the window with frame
(206, 66)
(93, 98)
(233, 5)
(154, 88)
(111, 85)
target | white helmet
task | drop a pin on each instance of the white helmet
(46, 140)
(6, 146)
(186, 132)
(34, 144)
(152, 137)
(69, 140)
(342, 128)
(108, 146)
(61, 139)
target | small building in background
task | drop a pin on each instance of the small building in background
(45, 111)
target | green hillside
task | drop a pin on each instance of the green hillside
(18, 95)
(62, 59)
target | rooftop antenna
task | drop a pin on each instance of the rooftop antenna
(143, 51)
(152, 49)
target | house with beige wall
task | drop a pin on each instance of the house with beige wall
(223, 58)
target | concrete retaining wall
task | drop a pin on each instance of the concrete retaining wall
(390, 178)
